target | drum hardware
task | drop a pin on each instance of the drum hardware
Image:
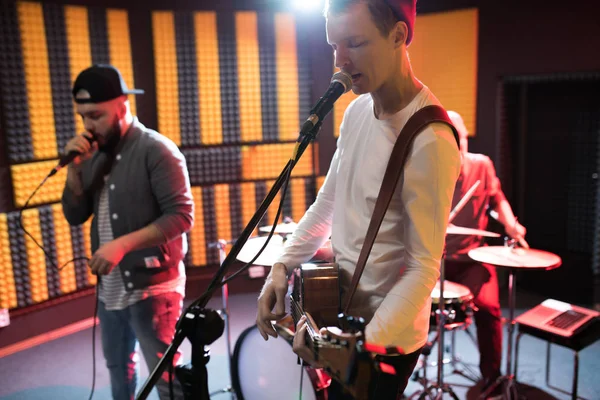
(460, 301)
(514, 258)
(459, 367)
(454, 360)
(437, 389)
(459, 310)
(459, 305)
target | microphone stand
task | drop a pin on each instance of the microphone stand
(197, 323)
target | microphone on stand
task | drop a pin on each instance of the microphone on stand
(69, 157)
(341, 82)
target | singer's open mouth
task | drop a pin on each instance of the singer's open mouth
(356, 77)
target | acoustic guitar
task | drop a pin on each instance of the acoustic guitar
(315, 291)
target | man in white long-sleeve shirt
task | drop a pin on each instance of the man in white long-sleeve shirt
(370, 38)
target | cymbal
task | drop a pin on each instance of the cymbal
(459, 230)
(285, 228)
(270, 254)
(504, 256)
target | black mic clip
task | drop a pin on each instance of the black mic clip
(341, 82)
(310, 130)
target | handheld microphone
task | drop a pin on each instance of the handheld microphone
(341, 82)
(69, 157)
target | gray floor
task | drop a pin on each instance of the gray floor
(62, 369)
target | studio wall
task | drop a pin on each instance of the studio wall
(228, 93)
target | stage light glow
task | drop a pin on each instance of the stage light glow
(308, 5)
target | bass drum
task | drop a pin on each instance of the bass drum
(269, 370)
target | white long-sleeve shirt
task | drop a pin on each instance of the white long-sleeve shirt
(394, 293)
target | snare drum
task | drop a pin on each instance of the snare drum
(264, 370)
(458, 301)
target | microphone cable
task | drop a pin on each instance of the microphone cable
(53, 264)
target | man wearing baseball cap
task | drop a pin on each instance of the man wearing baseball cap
(134, 182)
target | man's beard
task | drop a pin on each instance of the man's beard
(112, 138)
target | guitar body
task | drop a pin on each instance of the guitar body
(316, 290)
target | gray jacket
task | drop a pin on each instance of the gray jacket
(148, 183)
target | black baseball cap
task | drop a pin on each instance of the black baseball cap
(103, 82)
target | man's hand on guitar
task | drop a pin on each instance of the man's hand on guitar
(272, 297)
(299, 344)
(328, 334)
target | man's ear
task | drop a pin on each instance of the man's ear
(122, 107)
(400, 32)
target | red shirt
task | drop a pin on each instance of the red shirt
(474, 214)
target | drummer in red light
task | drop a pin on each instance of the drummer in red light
(480, 278)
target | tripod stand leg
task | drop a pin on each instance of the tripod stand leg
(425, 393)
(225, 313)
(452, 394)
(471, 336)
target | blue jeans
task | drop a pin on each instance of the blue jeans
(152, 323)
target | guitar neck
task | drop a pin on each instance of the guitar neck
(312, 331)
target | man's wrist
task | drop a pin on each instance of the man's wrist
(125, 243)
(282, 266)
(76, 168)
(510, 228)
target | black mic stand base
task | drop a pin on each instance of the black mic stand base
(202, 327)
(194, 380)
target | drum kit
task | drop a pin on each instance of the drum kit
(460, 300)
(277, 371)
(453, 308)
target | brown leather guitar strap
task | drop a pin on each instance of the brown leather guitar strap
(414, 126)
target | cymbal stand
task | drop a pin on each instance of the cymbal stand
(459, 366)
(225, 315)
(509, 391)
(439, 387)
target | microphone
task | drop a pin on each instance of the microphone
(341, 82)
(67, 158)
